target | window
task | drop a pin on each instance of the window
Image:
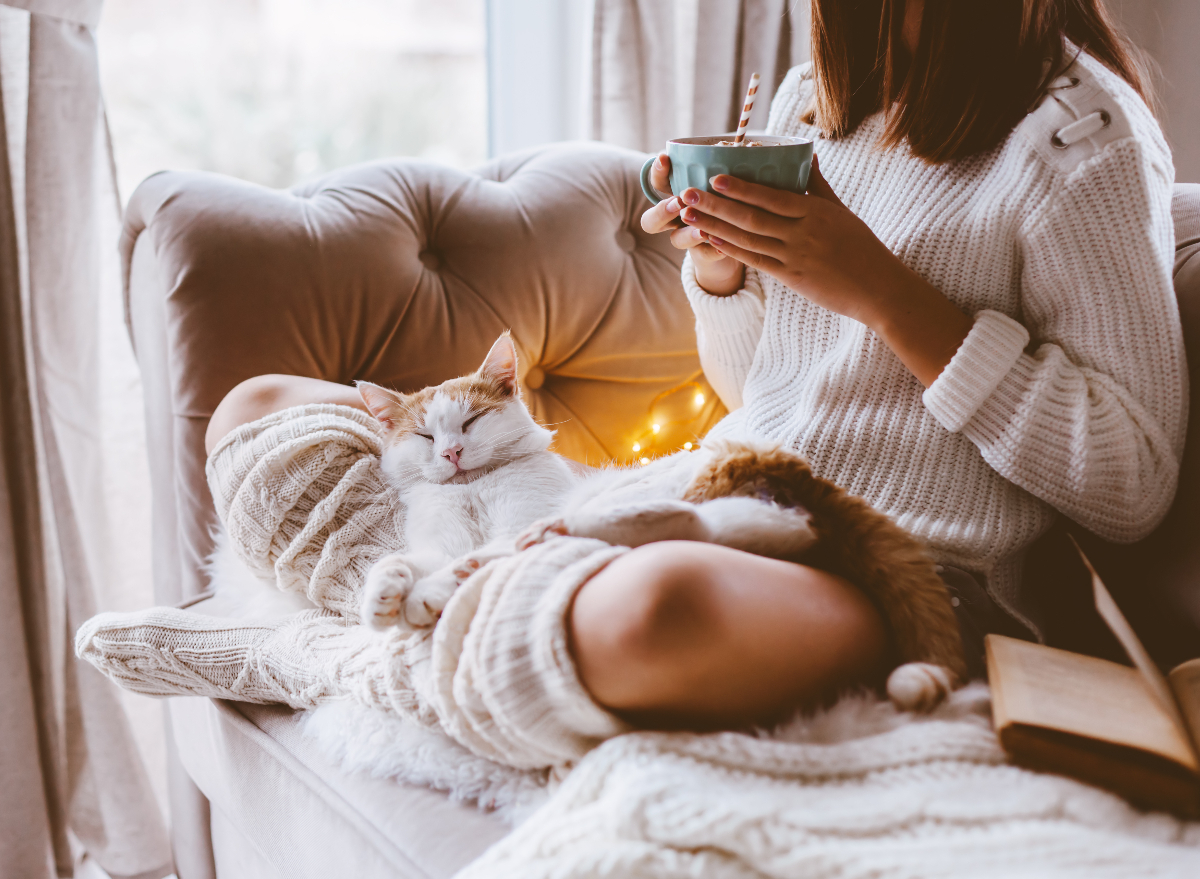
(274, 91)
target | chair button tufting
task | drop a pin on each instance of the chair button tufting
(430, 260)
(535, 378)
(625, 240)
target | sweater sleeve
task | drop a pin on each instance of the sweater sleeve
(727, 332)
(1090, 417)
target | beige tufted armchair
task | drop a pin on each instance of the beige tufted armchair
(403, 273)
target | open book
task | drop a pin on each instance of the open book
(1129, 730)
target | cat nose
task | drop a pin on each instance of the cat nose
(451, 454)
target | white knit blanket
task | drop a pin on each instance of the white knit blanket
(859, 791)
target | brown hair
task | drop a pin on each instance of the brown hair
(978, 68)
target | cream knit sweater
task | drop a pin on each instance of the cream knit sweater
(1070, 392)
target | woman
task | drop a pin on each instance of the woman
(968, 320)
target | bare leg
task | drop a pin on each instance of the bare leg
(681, 634)
(264, 394)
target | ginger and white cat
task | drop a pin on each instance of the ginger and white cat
(478, 482)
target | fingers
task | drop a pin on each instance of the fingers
(662, 216)
(693, 241)
(750, 258)
(737, 213)
(686, 238)
(754, 195)
(660, 175)
(753, 241)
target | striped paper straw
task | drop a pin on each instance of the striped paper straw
(746, 108)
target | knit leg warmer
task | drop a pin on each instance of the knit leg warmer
(304, 501)
(496, 673)
(504, 684)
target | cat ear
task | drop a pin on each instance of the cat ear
(501, 364)
(382, 403)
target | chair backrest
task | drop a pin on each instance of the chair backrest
(404, 272)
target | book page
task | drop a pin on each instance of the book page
(1055, 689)
(1119, 626)
(1185, 684)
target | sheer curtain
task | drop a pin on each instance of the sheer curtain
(73, 781)
(675, 68)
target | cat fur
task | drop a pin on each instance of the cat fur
(759, 498)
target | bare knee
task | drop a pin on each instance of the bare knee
(694, 634)
(641, 623)
(248, 401)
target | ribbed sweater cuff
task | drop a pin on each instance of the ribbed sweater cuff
(986, 356)
(740, 313)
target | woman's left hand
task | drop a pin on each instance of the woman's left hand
(816, 245)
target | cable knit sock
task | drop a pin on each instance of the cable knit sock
(301, 661)
(504, 683)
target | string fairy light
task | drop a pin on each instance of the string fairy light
(660, 426)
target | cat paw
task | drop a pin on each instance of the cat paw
(919, 686)
(429, 596)
(389, 583)
(540, 531)
(464, 568)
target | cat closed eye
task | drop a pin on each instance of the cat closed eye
(425, 436)
(472, 420)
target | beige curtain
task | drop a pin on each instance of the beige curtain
(677, 68)
(71, 780)
(1169, 30)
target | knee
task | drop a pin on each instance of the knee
(642, 623)
(249, 401)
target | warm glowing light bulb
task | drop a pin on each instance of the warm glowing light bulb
(687, 446)
(637, 447)
(656, 427)
(644, 461)
(699, 399)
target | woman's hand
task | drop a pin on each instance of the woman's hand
(715, 272)
(815, 245)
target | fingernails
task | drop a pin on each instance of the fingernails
(691, 196)
(715, 240)
(674, 206)
(720, 182)
(690, 215)
(658, 162)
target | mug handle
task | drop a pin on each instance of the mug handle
(654, 197)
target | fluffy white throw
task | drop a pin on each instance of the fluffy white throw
(859, 791)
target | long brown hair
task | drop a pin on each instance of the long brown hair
(978, 68)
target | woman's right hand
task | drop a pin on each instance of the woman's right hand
(715, 272)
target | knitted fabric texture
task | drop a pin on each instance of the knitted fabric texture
(505, 684)
(495, 674)
(1070, 392)
(928, 797)
(302, 498)
(302, 661)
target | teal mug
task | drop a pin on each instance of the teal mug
(781, 163)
